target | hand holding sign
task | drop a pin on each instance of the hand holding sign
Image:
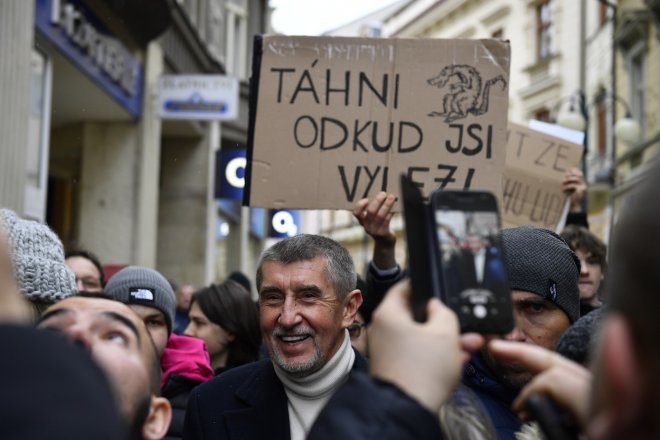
(575, 187)
(536, 164)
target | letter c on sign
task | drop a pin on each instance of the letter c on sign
(231, 172)
(283, 223)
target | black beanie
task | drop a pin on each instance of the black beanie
(539, 261)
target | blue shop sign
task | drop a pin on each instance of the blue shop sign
(284, 223)
(82, 38)
(230, 173)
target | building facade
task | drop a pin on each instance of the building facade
(637, 40)
(83, 147)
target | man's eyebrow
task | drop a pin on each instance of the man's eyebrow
(308, 288)
(269, 289)
(124, 320)
(52, 314)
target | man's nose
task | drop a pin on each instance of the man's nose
(289, 315)
(516, 334)
(80, 336)
(584, 269)
(80, 286)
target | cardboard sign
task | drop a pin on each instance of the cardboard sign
(531, 186)
(333, 120)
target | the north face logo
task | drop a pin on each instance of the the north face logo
(141, 294)
(551, 294)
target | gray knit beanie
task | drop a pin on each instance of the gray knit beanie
(37, 258)
(539, 261)
(146, 287)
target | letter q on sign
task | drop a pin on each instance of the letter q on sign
(232, 172)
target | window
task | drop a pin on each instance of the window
(37, 146)
(236, 41)
(542, 115)
(636, 61)
(544, 30)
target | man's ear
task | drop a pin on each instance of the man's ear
(158, 420)
(621, 376)
(352, 303)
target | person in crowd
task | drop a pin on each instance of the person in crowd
(183, 295)
(241, 279)
(592, 253)
(226, 319)
(358, 334)
(120, 343)
(620, 398)
(37, 260)
(184, 361)
(543, 278)
(88, 270)
(307, 299)
(149, 294)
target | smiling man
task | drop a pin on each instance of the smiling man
(307, 300)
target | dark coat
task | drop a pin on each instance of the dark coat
(494, 396)
(177, 390)
(364, 408)
(247, 402)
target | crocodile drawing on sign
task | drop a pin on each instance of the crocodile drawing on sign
(465, 95)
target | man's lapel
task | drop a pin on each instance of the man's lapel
(266, 413)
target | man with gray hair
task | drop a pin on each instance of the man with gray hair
(307, 299)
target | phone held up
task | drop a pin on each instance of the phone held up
(455, 254)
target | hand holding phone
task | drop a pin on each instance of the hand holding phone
(455, 254)
(472, 261)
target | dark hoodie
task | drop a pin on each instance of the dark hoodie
(494, 396)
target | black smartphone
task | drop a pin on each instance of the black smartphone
(471, 260)
(422, 258)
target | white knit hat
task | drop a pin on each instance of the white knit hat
(37, 257)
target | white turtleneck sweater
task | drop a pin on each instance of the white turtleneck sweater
(308, 395)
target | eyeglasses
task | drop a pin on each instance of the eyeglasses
(355, 329)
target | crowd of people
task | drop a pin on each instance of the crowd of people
(325, 354)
